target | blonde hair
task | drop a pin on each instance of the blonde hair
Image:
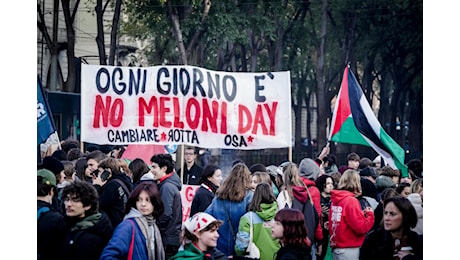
(416, 186)
(262, 177)
(291, 178)
(350, 181)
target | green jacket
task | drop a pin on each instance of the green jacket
(262, 235)
(193, 253)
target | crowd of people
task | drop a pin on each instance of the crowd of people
(95, 205)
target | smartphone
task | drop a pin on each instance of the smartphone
(105, 175)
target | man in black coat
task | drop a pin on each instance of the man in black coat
(89, 230)
(51, 227)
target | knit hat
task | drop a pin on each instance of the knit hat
(52, 164)
(368, 171)
(200, 221)
(309, 169)
(382, 182)
(274, 170)
(47, 176)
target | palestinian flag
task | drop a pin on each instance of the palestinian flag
(354, 122)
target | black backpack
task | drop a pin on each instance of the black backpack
(310, 214)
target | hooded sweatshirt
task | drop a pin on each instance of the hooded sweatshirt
(262, 237)
(170, 223)
(348, 225)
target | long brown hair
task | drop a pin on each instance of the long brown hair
(234, 187)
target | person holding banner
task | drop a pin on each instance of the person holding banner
(231, 202)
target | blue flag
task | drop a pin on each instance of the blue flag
(45, 124)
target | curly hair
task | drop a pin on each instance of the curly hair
(295, 231)
(163, 160)
(85, 192)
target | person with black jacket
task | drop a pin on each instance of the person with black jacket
(113, 187)
(89, 230)
(51, 227)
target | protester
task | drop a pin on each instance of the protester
(89, 230)
(262, 210)
(138, 235)
(113, 189)
(309, 172)
(395, 240)
(51, 227)
(394, 174)
(296, 195)
(276, 176)
(403, 189)
(199, 240)
(191, 170)
(169, 185)
(259, 177)
(230, 203)
(378, 212)
(209, 183)
(368, 196)
(138, 168)
(93, 158)
(325, 185)
(74, 154)
(348, 223)
(289, 228)
(82, 172)
(117, 151)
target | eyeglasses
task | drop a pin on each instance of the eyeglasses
(73, 200)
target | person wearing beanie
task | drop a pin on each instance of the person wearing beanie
(308, 173)
(51, 227)
(57, 168)
(200, 237)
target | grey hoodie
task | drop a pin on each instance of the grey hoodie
(170, 223)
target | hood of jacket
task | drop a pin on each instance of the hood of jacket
(339, 195)
(268, 211)
(133, 213)
(300, 193)
(172, 179)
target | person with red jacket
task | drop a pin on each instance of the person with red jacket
(348, 223)
(309, 172)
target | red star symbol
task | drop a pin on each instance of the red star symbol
(250, 139)
(163, 136)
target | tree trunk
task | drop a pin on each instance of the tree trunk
(114, 32)
(177, 34)
(321, 86)
(100, 33)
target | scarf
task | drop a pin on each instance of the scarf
(152, 234)
(87, 222)
(209, 186)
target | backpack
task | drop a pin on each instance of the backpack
(42, 210)
(310, 214)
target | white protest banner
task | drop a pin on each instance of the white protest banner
(187, 193)
(185, 105)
